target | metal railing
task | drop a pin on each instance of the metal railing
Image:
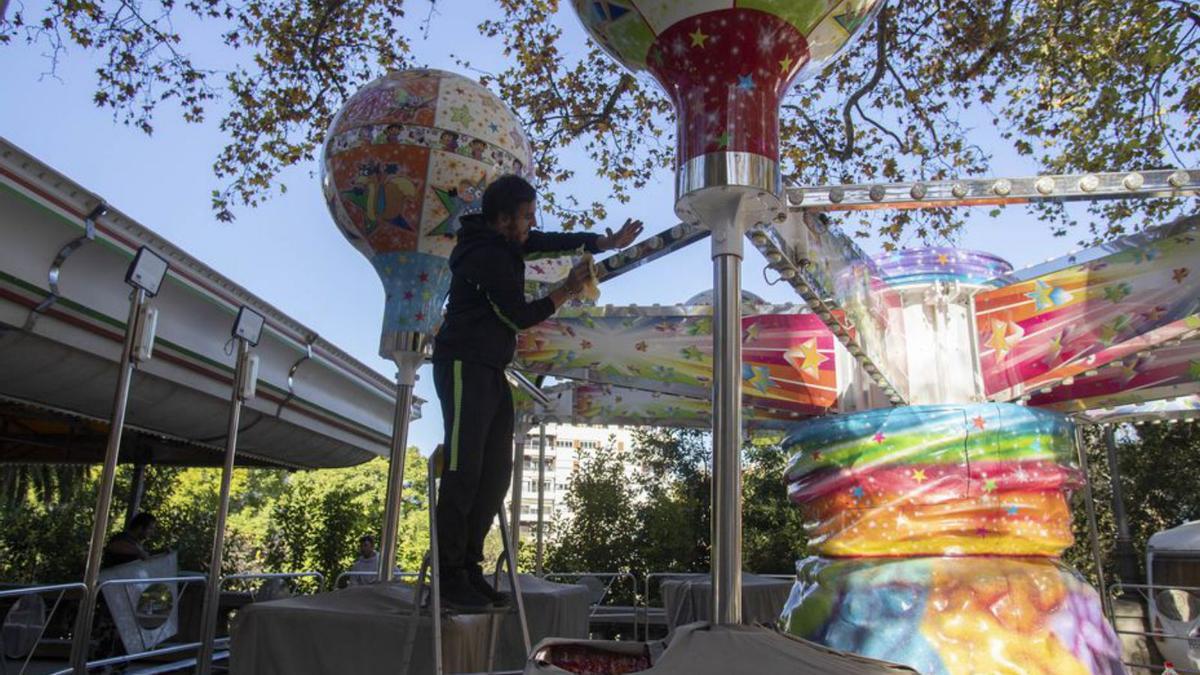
(267, 576)
(61, 590)
(598, 611)
(146, 653)
(337, 581)
(1144, 595)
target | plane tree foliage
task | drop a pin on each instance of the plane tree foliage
(932, 91)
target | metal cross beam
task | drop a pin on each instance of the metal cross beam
(997, 191)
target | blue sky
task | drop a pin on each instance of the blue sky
(288, 251)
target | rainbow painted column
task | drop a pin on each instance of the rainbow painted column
(937, 528)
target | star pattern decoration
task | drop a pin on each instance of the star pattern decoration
(918, 476)
(746, 82)
(785, 64)
(461, 115)
(758, 377)
(1194, 370)
(1012, 509)
(979, 423)
(806, 359)
(692, 353)
(698, 38)
(1117, 292)
(879, 437)
(989, 485)
(723, 140)
(1179, 275)
(1005, 336)
(1045, 296)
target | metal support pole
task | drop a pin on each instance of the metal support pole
(137, 490)
(518, 478)
(212, 592)
(406, 377)
(83, 624)
(541, 499)
(1093, 531)
(1127, 563)
(727, 428)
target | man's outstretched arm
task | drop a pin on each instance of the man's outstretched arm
(504, 291)
(550, 242)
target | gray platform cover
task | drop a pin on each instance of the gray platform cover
(362, 629)
(358, 630)
(700, 649)
(553, 610)
(689, 599)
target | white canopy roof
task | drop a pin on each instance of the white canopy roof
(1186, 537)
(316, 406)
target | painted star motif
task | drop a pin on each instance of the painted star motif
(806, 359)
(816, 455)
(1117, 292)
(1012, 510)
(1044, 295)
(1005, 336)
(585, 344)
(641, 346)
(758, 377)
(1110, 331)
(493, 127)
(408, 295)
(989, 485)
(461, 115)
(751, 333)
(698, 38)
(879, 437)
(1154, 314)
(785, 64)
(1194, 370)
(918, 475)
(420, 316)
(979, 422)
(723, 140)
(692, 353)
(746, 82)
(857, 492)
(1179, 275)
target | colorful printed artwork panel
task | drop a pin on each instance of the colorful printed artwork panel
(952, 616)
(1165, 372)
(1058, 325)
(935, 480)
(788, 359)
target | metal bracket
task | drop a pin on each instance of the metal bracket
(309, 341)
(89, 233)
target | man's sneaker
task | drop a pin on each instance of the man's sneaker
(481, 585)
(460, 595)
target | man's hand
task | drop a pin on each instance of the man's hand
(578, 276)
(623, 237)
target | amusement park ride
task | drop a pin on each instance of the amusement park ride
(933, 398)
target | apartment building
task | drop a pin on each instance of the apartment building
(564, 444)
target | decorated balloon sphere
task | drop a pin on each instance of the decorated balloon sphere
(405, 159)
(725, 65)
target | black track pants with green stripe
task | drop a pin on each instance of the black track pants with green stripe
(477, 408)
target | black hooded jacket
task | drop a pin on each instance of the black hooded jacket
(486, 306)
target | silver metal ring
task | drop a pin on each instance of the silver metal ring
(728, 169)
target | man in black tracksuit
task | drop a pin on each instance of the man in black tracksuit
(485, 310)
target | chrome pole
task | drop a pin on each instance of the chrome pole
(727, 427)
(86, 614)
(406, 377)
(518, 478)
(212, 591)
(1127, 566)
(541, 499)
(1093, 531)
